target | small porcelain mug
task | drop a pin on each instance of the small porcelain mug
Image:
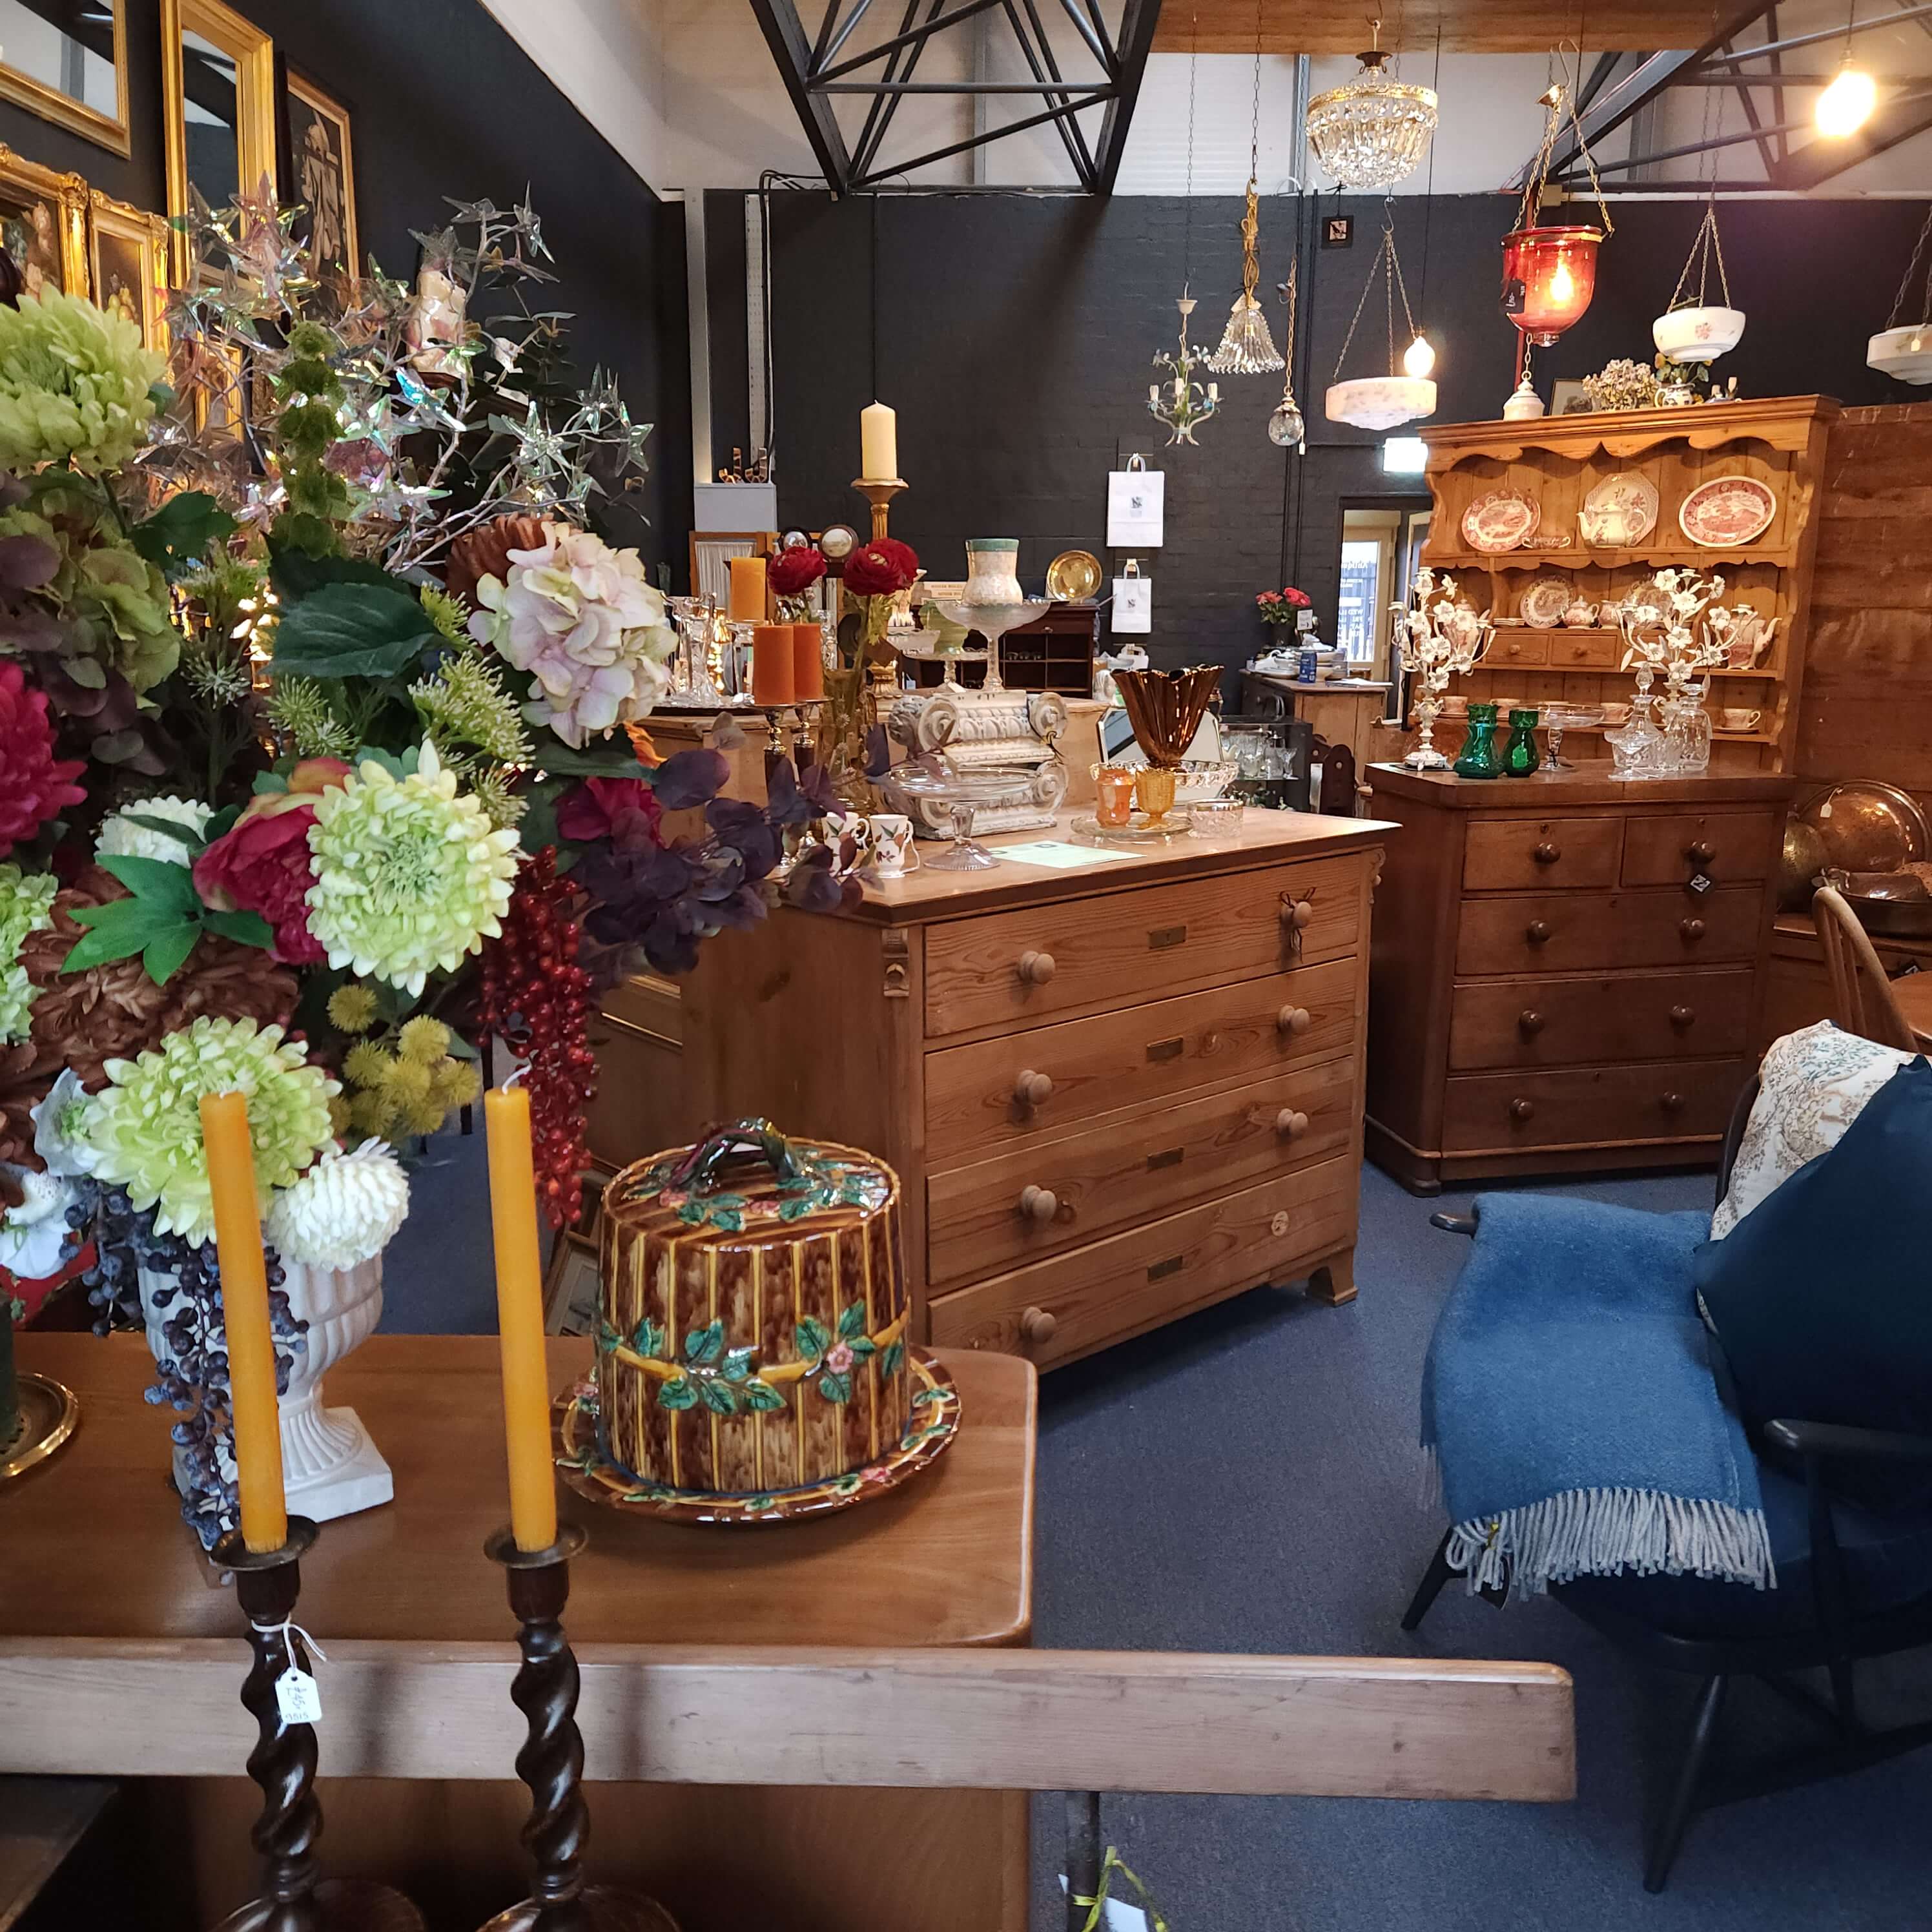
(1736, 719)
(1455, 704)
(1616, 715)
(894, 853)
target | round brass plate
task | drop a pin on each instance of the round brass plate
(49, 1413)
(1073, 576)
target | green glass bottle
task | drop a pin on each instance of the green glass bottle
(1519, 754)
(1481, 756)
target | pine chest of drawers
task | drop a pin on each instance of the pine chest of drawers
(1112, 1093)
(1568, 969)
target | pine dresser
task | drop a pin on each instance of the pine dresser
(1568, 970)
(1114, 1093)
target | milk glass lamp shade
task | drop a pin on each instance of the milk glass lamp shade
(1905, 353)
(1548, 276)
(1380, 402)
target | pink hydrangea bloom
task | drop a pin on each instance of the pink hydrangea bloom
(585, 622)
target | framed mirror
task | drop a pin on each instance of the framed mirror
(218, 97)
(67, 61)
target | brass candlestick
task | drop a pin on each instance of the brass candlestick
(880, 496)
(551, 1761)
(267, 1584)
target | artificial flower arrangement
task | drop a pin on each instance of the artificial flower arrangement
(1284, 606)
(791, 574)
(875, 574)
(317, 776)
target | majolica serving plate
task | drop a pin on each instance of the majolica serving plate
(581, 1462)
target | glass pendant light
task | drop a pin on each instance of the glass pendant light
(1371, 131)
(1846, 103)
(1246, 347)
(1285, 426)
(1383, 402)
(1550, 274)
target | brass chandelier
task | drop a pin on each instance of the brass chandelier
(1373, 130)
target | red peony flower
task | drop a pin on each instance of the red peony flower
(881, 569)
(34, 785)
(261, 863)
(592, 810)
(793, 572)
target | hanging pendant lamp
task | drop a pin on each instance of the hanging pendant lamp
(1285, 426)
(1181, 402)
(1904, 349)
(1383, 402)
(1246, 347)
(1371, 132)
(1549, 274)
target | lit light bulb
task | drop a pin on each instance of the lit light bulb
(1418, 358)
(1846, 106)
(1562, 284)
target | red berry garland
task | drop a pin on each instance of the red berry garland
(537, 998)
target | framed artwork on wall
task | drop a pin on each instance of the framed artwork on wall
(43, 224)
(67, 61)
(218, 106)
(322, 178)
(1568, 397)
(128, 256)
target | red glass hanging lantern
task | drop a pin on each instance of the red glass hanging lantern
(1548, 276)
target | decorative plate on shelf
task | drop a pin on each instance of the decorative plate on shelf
(1620, 512)
(1544, 601)
(1073, 576)
(583, 1466)
(1727, 510)
(1651, 599)
(1500, 520)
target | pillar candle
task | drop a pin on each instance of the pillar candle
(771, 664)
(244, 1316)
(878, 444)
(748, 589)
(520, 1317)
(808, 662)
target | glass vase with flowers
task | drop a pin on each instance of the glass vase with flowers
(875, 574)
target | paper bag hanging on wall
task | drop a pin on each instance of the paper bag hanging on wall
(1136, 500)
(1133, 603)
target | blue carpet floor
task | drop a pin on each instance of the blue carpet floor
(1247, 1480)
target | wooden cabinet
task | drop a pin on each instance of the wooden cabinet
(1112, 1093)
(1568, 969)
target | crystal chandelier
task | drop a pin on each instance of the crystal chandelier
(1286, 426)
(1371, 131)
(1246, 347)
(1182, 403)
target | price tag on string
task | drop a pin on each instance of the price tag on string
(297, 1696)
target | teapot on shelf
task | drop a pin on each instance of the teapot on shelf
(1581, 615)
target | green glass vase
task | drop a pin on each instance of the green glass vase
(1519, 754)
(1481, 756)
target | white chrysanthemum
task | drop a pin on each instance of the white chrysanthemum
(122, 837)
(344, 1210)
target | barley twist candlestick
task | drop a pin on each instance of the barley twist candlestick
(551, 1761)
(267, 1584)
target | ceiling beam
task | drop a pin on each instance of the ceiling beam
(1139, 20)
(1901, 118)
(785, 35)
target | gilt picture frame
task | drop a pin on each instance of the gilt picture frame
(54, 103)
(128, 264)
(321, 177)
(233, 64)
(43, 224)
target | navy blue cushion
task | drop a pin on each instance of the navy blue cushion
(1821, 1297)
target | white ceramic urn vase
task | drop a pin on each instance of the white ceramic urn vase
(330, 1467)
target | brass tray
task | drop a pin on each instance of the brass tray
(1073, 576)
(49, 1413)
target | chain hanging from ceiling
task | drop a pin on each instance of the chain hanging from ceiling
(1181, 402)
(1285, 426)
(1373, 130)
(1382, 402)
(1246, 347)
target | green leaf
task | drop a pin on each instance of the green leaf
(268, 782)
(862, 1346)
(721, 1398)
(352, 630)
(89, 672)
(890, 1357)
(738, 1364)
(245, 929)
(374, 754)
(119, 930)
(834, 1388)
(704, 1345)
(296, 575)
(158, 882)
(646, 1339)
(164, 955)
(678, 1393)
(852, 1320)
(222, 823)
(762, 1396)
(182, 531)
(813, 1338)
(168, 828)
(607, 1337)
(614, 760)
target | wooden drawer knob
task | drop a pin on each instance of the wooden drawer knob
(1293, 1019)
(1035, 969)
(1693, 929)
(1537, 931)
(1547, 853)
(1037, 1324)
(1671, 1103)
(1038, 1204)
(1296, 912)
(1291, 1123)
(1032, 1089)
(1529, 1022)
(1522, 1110)
(1683, 1016)
(1700, 852)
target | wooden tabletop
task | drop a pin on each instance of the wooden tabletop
(1914, 995)
(95, 1546)
(1548, 791)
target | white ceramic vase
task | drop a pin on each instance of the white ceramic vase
(330, 1467)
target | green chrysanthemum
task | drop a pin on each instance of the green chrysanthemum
(25, 899)
(145, 1128)
(410, 876)
(73, 384)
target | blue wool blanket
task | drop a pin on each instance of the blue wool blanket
(1569, 1405)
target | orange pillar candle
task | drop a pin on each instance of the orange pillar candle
(520, 1317)
(807, 663)
(244, 1315)
(771, 664)
(748, 589)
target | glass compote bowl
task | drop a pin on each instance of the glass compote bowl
(960, 795)
(1560, 718)
(992, 622)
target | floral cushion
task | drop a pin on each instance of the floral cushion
(1812, 1086)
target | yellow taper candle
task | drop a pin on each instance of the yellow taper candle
(244, 1315)
(520, 1317)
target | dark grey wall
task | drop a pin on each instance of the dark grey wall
(446, 103)
(1013, 333)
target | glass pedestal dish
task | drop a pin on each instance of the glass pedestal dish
(960, 795)
(992, 622)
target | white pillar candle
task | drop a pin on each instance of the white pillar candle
(878, 444)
